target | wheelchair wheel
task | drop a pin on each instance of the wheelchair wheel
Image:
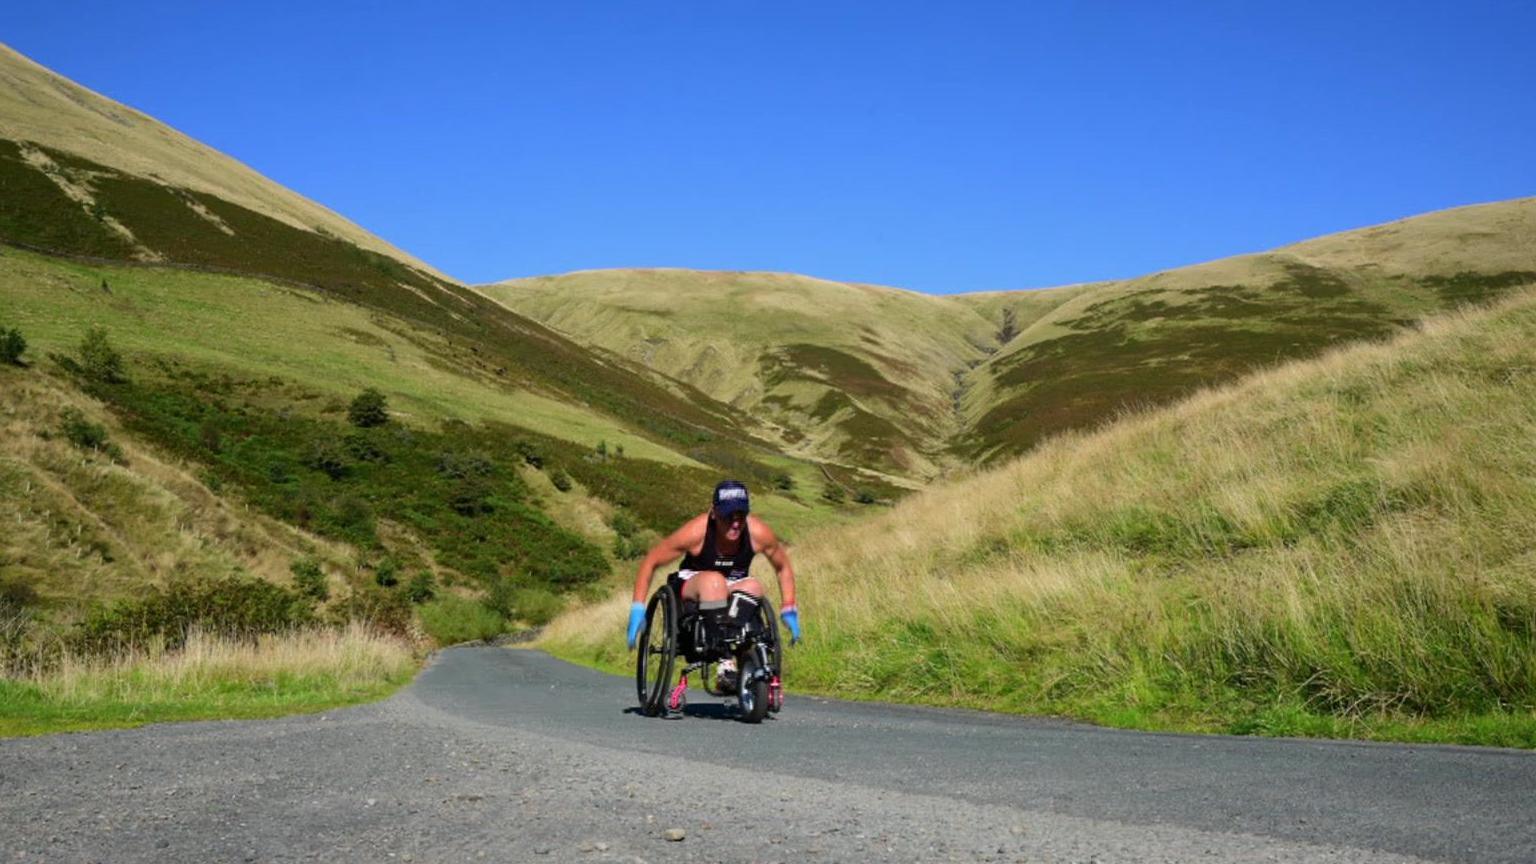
(775, 651)
(752, 693)
(658, 650)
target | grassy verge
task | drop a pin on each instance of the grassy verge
(209, 678)
(1342, 547)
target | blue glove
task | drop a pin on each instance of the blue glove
(636, 618)
(791, 616)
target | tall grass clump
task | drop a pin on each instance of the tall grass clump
(1339, 547)
(206, 676)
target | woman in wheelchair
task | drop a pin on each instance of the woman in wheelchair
(717, 548)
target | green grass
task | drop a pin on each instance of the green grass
(209, 679)
(29, 711)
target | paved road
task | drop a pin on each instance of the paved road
(504, 755)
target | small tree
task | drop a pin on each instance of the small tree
(864, 496)
(833, 493)
(11, 346)
(309, 579)
(783, 481)
(368, 409)
(99, 360)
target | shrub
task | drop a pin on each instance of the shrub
(364, 449)
(387, 574)
(236, 606)
(561, 480)
(470, 497)
(623, 524)
(309, 579)
(530, 452)
(88, 436)
(462, 465)
(629, 548)
(450, 620)
(81, 432)
(327, 457)
(11, 346)
(384, 610)
(422, 587)
(783, 482)
(832, 493)
(864, 496)
(99, 361)
(537, 606)
(368, 409)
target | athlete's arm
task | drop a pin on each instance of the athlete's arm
(670, 548)
(768, 543)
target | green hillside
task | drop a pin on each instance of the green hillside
(918, 383)
(1337, 547)
(1085, 354)
(515, 470)
(858, 374)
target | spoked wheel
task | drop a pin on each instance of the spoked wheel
(775, 655)
(658, 650)
(752, 692)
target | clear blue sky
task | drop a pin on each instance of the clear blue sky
(936, 146)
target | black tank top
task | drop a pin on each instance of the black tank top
(734, 567)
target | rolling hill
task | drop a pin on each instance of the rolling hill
(915, 383)
(247, 318)
(854, 373)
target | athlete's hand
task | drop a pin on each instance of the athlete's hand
(791, 616)
(636, 618)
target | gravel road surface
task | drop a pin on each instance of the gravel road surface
(509, 755)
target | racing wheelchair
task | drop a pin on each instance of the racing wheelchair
(749, 632)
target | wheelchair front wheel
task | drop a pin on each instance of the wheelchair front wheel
(658, 652)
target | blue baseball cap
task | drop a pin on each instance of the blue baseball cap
(731, 497)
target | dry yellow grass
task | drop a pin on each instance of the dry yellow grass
(209, 677)
(79, 527)
(354, 656)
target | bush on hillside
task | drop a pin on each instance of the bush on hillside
(309, 579)
(832, 493)
(450, 620)
(12, 344)
(237, 607)
(783, 482)
(561, 480)
(88, 436)
(537, 606)
(327, 457)
(368, 409)
(379, 608)
(99, 361)
(422, 587)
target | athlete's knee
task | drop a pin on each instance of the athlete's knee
(709, 585)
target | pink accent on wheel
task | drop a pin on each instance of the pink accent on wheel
(775, 693)
(675, 701)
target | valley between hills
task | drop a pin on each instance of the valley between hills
(1285, 493)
